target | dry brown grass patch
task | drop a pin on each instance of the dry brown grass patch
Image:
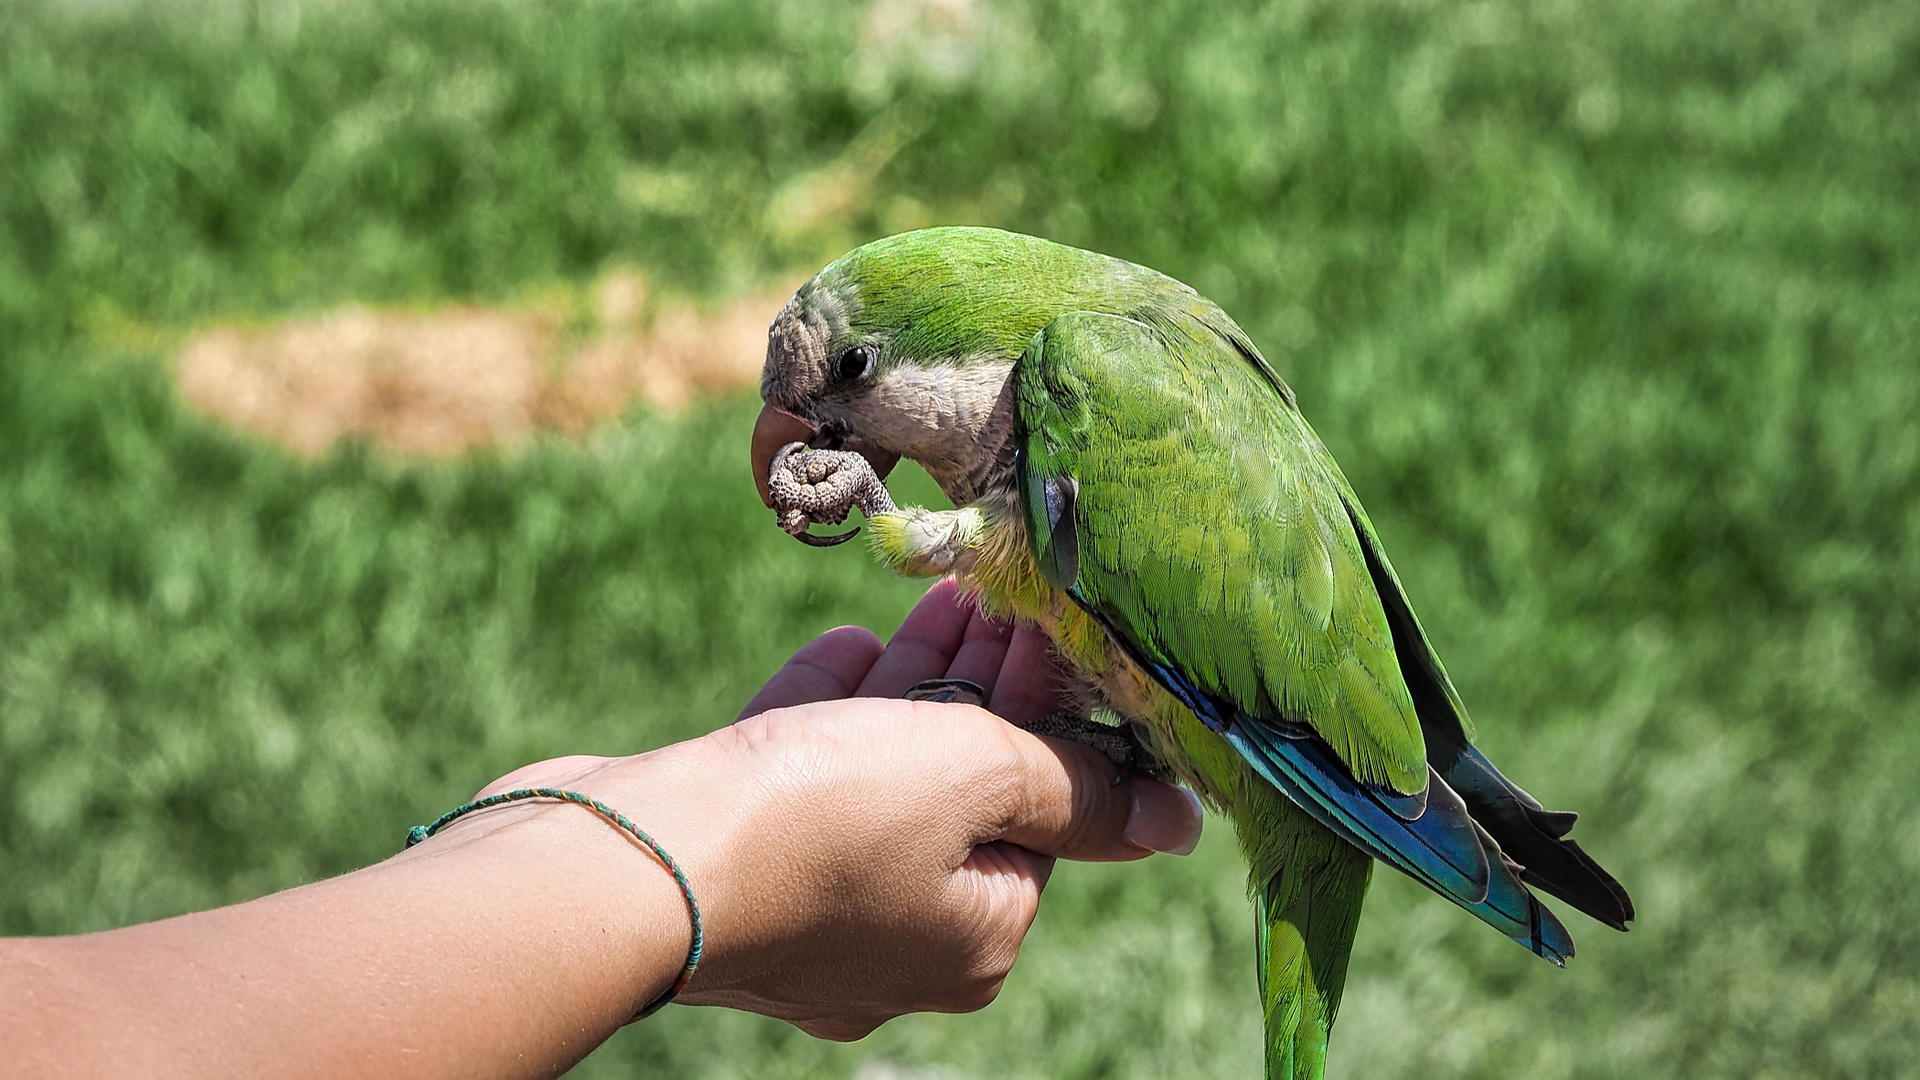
(438, 382)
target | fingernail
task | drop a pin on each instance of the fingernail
(1164, 818)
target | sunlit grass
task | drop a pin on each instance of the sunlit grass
(1607, 312)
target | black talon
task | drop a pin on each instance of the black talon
(826, 539)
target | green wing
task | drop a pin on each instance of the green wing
(1214, 533)
(1175, 493)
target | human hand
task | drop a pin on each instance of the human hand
(858, 856)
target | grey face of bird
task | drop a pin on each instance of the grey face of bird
(814, 392)
(837, 378)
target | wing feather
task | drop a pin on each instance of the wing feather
(1212, 529)
(1219, 545)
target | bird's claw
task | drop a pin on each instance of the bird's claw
(810, 487)
(826, 539)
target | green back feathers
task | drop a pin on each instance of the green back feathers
(1212, 533)
(958, 294)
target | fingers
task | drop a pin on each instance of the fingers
(982, 652)
(1066, 806)
(1164, 817)
(1006, 860)
(947, 637)
(850, 662)
(829, 667)
(924, 646)
(1031, 684)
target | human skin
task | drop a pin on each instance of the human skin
(856, 857)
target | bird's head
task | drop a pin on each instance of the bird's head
(903, 348)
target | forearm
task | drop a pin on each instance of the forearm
(510, 945)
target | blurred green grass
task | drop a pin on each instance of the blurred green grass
(1609, 312)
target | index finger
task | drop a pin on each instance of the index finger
(924, 646)
(826, 668)
(1032, 684)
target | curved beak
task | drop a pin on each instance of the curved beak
(776, 429)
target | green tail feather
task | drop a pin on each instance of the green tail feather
(1307, 915)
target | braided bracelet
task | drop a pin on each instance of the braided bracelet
(421, 832)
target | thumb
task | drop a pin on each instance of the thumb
(1067, 806)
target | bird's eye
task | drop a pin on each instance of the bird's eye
(855, 363)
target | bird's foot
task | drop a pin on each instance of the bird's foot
(1116, 742)
(821, 486)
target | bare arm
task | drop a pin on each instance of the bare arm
(827, 840)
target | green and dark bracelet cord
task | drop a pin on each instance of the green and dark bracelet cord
(421, 832)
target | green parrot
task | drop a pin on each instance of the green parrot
(1130, 474)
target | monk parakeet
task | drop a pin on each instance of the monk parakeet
(1129, 473)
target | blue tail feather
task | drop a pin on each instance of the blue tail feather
(1532, 836)
(1439, 848)
(1432, 838)
(1516, 912)
(1431, 850)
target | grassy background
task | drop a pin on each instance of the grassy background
(1608, 310)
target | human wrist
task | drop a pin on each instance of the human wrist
(578, 882)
